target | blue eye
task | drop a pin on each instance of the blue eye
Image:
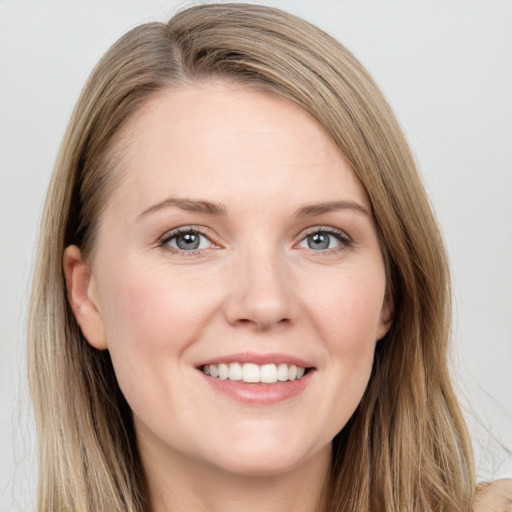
(323, 240)
(187, 240)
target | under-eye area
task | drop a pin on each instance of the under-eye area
(254, 373)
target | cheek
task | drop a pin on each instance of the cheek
(347, 317)
(138, 302)
(151, 317)
(348, 312)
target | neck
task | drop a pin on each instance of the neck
(182, 484)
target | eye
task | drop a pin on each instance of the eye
(187, 240)
(322, 240)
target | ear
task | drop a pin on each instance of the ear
(82, 296)
(386, 315)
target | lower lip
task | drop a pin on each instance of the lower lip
(260, 394)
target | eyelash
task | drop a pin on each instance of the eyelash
(183, 231)
(344, 240)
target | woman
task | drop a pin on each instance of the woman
(242, 298)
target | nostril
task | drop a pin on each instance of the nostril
(262, 324)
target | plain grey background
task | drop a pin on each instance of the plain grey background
(445, 66)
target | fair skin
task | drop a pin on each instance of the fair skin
(277, 262)
(495, 497)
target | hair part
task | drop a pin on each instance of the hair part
(406, 446)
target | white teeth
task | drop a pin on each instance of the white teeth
(235, 371)
(268, 373)
(250, 372)
(223, 371)
(253, 373)
(282, 372)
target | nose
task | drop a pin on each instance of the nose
(260, 293)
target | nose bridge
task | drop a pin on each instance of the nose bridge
(260, 293)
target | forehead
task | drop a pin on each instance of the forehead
(225, 142)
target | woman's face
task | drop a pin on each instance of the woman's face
(239, 242)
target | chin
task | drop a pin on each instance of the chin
(260, 466)
(265, 455)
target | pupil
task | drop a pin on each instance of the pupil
(318, 241)
(188, 241)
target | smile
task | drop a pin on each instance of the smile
(254, 373)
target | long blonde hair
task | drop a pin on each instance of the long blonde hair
(406, 447)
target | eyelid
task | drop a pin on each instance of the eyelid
(164, 240)
(326, 229)
(345, 240)
(342, 236)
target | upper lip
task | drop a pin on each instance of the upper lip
(259, 359)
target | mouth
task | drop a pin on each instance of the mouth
(252, 373)
(258, 379)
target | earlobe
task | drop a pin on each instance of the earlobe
(386, 316)
(82, 297)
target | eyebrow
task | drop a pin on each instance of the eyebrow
(320, 208)
(190, 205)
(218, 209)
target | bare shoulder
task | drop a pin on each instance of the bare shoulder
(494, 497)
